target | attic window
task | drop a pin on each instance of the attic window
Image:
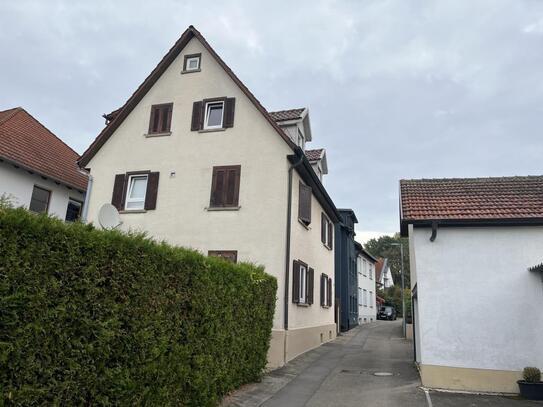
(192, 63)
(213, 115)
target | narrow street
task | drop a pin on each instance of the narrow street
(342, 374)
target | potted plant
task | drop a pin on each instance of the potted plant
(531, 387)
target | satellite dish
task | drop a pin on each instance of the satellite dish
(108, 216)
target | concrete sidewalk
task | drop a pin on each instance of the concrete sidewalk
(342, 374)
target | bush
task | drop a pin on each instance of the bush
(92, 317)
(531, 374)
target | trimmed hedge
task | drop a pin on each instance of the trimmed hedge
(92, 317)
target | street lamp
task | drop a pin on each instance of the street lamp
(401, 276)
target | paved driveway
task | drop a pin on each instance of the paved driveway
(342, 374)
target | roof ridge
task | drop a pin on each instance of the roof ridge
(15, 110)
(287, 110)
(504, 177)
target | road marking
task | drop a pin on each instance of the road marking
(428, 399)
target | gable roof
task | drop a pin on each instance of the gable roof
(464, 201)
(142, 90)
(290, 114)
(27, 143)
(380, 265)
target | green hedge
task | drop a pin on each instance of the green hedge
(91, 317)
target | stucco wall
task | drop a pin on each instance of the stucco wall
(307, 246)
(257, 230)
(18, 185)
(366, 313)
(478, 306)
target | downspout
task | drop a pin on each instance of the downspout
(287, 252)
(85, 213)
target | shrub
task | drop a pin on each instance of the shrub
(531, 374)
(92, 317)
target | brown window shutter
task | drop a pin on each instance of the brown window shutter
(295, 282)
(152, 190)
(323, 228)
(117, 199)
(197, 116)
(225, 186)
(310, 285)
(232, 190)
(229, 108)
(329, 287)
(153, 121)
(304, 204)
(217, 187)
(324, 288)
(330, 235)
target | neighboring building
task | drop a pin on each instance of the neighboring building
(346, 274)
(365, 265)
(383, 274)
(38, 170)
(193, 158)
(477, 298)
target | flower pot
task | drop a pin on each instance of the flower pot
(531, 391)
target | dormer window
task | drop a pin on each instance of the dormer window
(192, 63)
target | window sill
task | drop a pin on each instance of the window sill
(133, 211)
(148, 135)
(191, 71)
(325, 306)
(211, 130)
(302, 304)
(223, 208)
(301, 222)
(327, 247)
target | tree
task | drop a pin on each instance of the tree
(382, 247)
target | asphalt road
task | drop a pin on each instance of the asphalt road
(342, 374)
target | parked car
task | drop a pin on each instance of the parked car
(387, 312)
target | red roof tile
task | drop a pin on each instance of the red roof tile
(379, 268)
(313, 155)
(26, 142)
(472, 198)
(283, 115)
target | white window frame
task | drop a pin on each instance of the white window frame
(206, 117)
(188, 68)
(371, 271)
(371, 299)
(129, 191)
(365, 298)
(303, 285)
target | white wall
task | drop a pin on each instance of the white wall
(367, 310)
(258, 229)
(18, 184)
(478, 306)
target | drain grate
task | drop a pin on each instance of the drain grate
(383, 374)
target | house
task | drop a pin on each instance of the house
(38, 170)
(194, 159)
(346, 274)
(473, 245)
(365, 266)
(383, 274)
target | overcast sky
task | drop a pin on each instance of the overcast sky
(396, 89)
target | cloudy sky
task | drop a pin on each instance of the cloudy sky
(396, 89)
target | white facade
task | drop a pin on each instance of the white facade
(367, 309)
(185, 161)
(17, 185)
(477, 306)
